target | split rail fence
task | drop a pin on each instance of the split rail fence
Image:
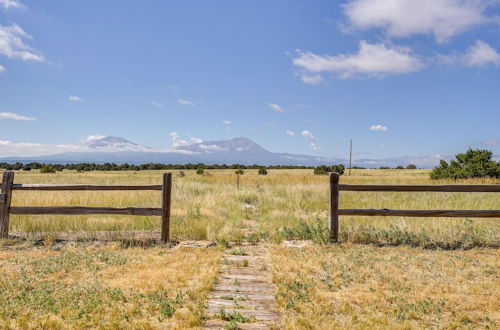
(8, 186)
(335, 188)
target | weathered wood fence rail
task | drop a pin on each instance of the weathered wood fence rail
(335, 189)
(8, 186)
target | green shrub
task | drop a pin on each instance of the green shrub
(324, 169)
(262, 171)
(411, 167)
(400, 167)
(239, 171)
(47, 169)
(476, 163)
(200, 171)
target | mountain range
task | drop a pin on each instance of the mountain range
(238, 150)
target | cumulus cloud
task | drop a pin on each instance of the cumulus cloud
(11, 4)
(157, 104)
(226, 122)
(196, 140)
(372, 60)
(14, 116)
(290, 133)
(75, 98)
(177, 141)
(186, 102)
(307, 134)
(402, 18)
(275, 107)
(379, 128)
(12, 44)
(314, 147)
(479, 54)
(91, 138)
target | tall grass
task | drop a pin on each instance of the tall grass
(283, 202)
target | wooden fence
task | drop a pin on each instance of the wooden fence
(335, 188)
(8, 186)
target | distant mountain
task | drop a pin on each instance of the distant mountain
(240, 150)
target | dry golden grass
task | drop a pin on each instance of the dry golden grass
(91, 286)
(365, 287)
(210, 206)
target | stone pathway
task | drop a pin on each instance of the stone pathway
(243, 296)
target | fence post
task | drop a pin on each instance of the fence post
(333, 214)
(8, 179)
(165, 206)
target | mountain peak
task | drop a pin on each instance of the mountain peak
(112, 143)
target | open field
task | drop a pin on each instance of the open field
(288, 204)
(404, 273)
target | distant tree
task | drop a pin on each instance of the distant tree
(477, 163)
(384, 168)
(411, 167)
(399, 167)
(324, 169)
(239, 171)
(47, 168)
(262, 171)
(200, 171)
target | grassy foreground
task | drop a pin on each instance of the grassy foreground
(365, 287)
(288, 204)
(107, 287)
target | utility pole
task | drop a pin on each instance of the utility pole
(350, 156)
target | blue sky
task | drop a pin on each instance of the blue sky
(398, 77)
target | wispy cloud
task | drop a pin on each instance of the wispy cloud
(226, 122)
(492, 143)
(372, 60)
(15, 116)
(314, 147)
(11, 4)
(157, 104)
(196, 140)
(177, 141)
(2, 69)
(314, 79)
(290, 133)
(275, 107)
(271, 124)
(378, 128)
(75, 98)
(12, 44)
(307, 134)
(403, 18)
(186, 102)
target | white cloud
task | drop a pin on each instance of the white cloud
(226, 122)
(2, 69)
(91, 138)
(275, 107)
(157, 104)
(196, 140)
(402, 18)
(290, 133)
(75, 98)
(315, 79)
(307, 134)
(378, 128)
(481, 54)
(186, 102)
(14, 116)
(12, 44)
(177, 141)
(11, 4)
(314, 147)
(373, 60)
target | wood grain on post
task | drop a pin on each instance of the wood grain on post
(422, 213)
(81, 210)
(427, 188)
(8, 179)
(165, 206)
(333, 223)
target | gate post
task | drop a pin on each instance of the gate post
(6, 197)
(166, 193)
(333, 214)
